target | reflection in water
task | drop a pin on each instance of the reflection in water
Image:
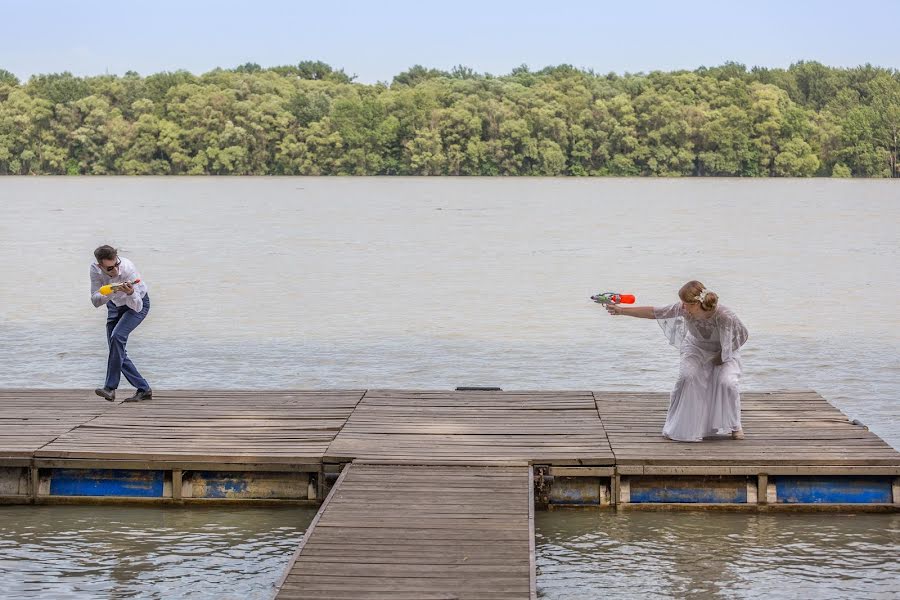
(198, 552)
(697, 554)
(146, 552)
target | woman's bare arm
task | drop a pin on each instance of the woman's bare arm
(641, 312)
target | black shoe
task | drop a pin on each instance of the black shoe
(105, 392)
(140, 395)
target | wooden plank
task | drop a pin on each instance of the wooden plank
(474, 428)
(582, 471)
(373, 542)
(106, 463)
(32, 418)
(783, 430)
(177, 483)
(212, 426)
(309, 531)
(762, 488)
(532, 561)
(787, 433)
(731, 469)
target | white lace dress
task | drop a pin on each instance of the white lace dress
(706, 400)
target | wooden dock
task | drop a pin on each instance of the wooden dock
(31, 419)
(224, 426)
(560, 428)
(181, 446)
(587, 448)
(431, 493)
(460, 532)
(783, 428)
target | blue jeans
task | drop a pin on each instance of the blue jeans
(120, 322)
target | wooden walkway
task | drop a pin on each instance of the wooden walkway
(31, 419)
(558, 428)
(325, 429)
(459, 532)
(782, 429)
(321, 430)
(212, 426)
(436, 489)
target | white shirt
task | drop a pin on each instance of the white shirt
(127, 272)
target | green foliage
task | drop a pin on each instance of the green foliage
(59, 88)
(311, 119)
(309, 69)
(7, 78)
(417, 74)
(249, 67)
(729, 70)
(841, 170)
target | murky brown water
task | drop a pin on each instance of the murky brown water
(434, 283)
(154, 552)
(701, 555)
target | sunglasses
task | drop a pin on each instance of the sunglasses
(113, 267)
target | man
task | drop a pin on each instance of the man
(127, 307)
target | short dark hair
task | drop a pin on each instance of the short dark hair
(105, 252)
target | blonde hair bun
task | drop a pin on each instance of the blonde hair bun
(694, 291)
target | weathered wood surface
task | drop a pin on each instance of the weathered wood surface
(474, 427)
(781, 428)
(270, 428)
(30, 419)
(204, 425)
(426, 532)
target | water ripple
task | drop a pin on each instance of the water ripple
(157, 552)
(655, 555)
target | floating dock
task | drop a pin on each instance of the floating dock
(430, 494)
(586, 448)
(196, 446)
(460, 532)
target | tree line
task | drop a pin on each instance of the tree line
(311, 119)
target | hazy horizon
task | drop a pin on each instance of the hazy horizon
(375, 43)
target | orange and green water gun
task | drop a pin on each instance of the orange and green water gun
(613, 298)
(110, 288)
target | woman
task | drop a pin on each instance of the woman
(706, 400)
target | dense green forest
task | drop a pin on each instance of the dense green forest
(312, 119)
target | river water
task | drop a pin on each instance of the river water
(435, 283)
(156, 552)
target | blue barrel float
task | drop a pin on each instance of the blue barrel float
(107, 482)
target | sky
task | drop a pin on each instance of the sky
(376, 40)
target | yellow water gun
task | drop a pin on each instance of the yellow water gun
(110, 288)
